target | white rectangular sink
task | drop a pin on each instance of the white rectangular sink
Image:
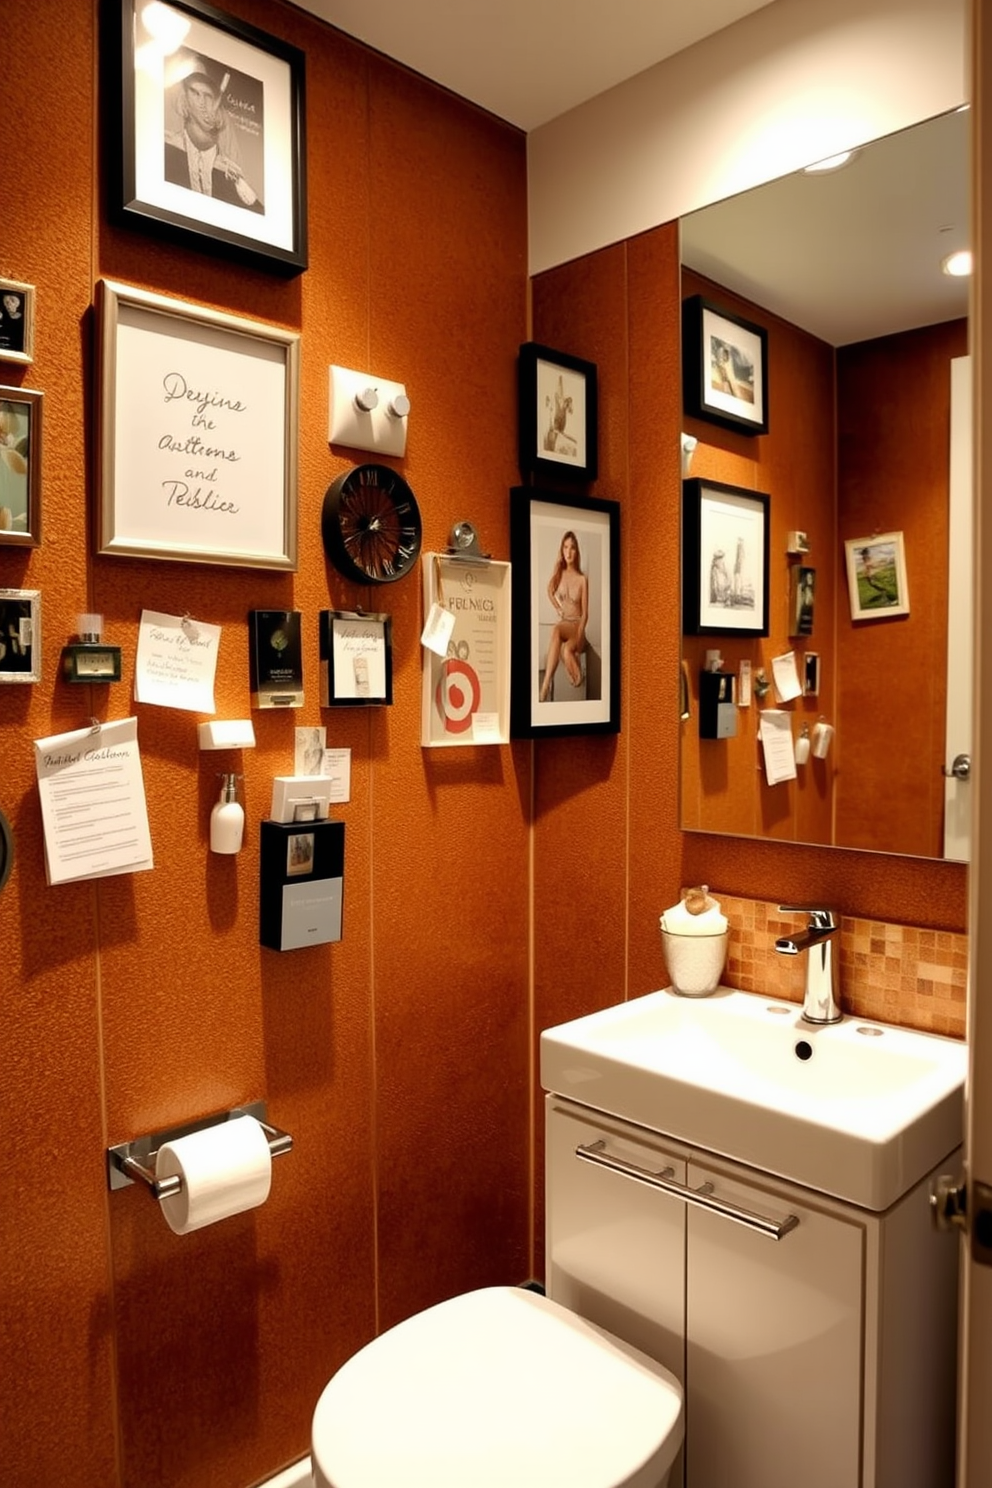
(856, 1109)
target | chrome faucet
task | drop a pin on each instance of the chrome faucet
(821, 1001)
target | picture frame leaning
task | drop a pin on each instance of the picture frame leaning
(206, 123)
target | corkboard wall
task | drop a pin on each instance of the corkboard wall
(398, 1059)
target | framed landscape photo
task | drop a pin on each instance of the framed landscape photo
(197, 433)
(565, 555)
(558, 414)
(20, 635)
(724, 367)
(206, 117)
(20, 467)
(876, 576)
(16, 321)
(724, 560)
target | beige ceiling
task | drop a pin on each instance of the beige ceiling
(528, 61)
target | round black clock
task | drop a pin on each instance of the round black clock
(371, 525)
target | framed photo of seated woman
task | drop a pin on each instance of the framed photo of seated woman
(565, 667)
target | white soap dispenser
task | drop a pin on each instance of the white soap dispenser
(227, 820)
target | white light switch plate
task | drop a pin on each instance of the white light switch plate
(379, 431)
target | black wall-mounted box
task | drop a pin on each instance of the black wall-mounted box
(302, 884)
(717, 708)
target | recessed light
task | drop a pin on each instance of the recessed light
(831, 163)
(958, 265)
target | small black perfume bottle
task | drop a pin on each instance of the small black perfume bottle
(88, 658)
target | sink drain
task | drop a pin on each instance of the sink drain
(804, 1050)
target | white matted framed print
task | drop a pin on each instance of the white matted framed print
(206, 123)
(20, 467)
(20, 635)
(724, 367)
(876, 576)
(465, 690)
(565, 552)
(558, 414)
(356, 659)
(724, 559)
(197, 433)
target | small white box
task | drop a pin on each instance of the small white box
(227, 733)
(300, 798)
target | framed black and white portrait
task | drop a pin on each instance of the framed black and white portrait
(207, 129)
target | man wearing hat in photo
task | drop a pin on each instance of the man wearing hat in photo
(201, 149)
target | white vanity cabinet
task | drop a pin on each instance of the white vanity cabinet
(824, 1358)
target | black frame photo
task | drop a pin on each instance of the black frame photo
(20, 467)
(16, 321)
(558, 412)
(20, 635)
(356, 659)
(725, 542)
(565, 670)
(724, 367)
(206, 117)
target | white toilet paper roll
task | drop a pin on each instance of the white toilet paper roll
(225, 1169)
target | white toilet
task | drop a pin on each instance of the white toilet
(498, 1388)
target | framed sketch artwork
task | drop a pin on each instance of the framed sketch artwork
(197, 433)
(724, 560)
(565, 554)
(724, 367)
(557, 421)
(16, 321)
(207, 124)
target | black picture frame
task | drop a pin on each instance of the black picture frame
(725, 549)
(540, 522)
(245, 90)
(724, 367)
(558, 414)
(20, 467)
(356, 659)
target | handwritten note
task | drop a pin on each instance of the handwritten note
(93, 803)
(775, 732)
(177, 662)
(199, 436)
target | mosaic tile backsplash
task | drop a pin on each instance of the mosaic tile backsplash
(893, 973)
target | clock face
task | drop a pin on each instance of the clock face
(371, 525)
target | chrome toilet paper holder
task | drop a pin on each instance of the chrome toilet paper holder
(134, 1161)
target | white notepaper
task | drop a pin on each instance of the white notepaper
(176, 662)
(775, 732)
(93, 807)
(336, 765)
(786, 676)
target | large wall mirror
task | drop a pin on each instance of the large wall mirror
(869, 426)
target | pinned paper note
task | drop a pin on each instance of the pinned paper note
(786, 677)
(93, 806)
(176, 662)
(775, 733)
(438, 629)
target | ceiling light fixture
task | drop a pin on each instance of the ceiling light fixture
(958, 265)
(831, 163)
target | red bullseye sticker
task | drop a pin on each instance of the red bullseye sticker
(457, 696)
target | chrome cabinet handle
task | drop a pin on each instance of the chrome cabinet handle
(703, 1197)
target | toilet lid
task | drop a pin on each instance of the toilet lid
(495, 1388)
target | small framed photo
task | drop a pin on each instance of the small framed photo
(356, 659)
(207, 122)
(565, 555)
(20, 467)
(724, 560)
(811, 674)
(299, 854)
(557, 414)
(802, 586)
(724, 367)
(20, 635)
(876, 576)
(16, 321)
